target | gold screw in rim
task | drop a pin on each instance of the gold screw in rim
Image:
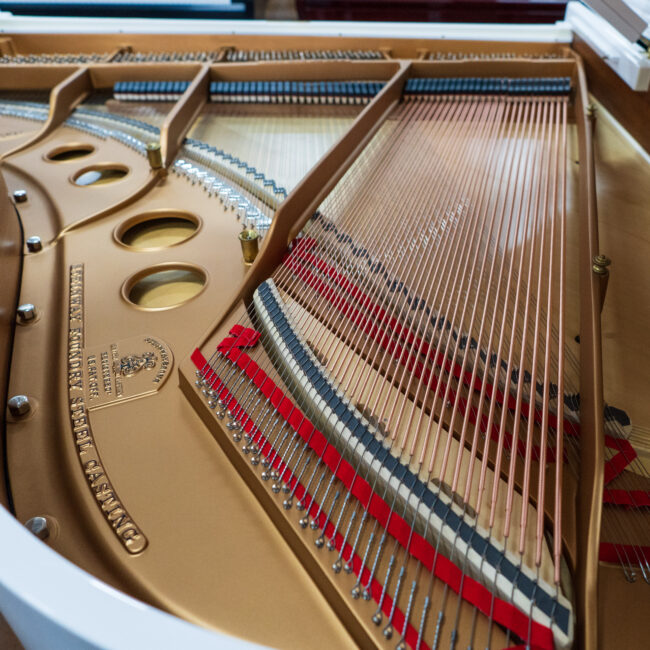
(600, 264)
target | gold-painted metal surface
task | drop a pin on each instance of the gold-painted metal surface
(142, 495)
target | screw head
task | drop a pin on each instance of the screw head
(20, 196)
(19, 406)
(601, 260)
(38, 526)
(34, 244)
(26, 312)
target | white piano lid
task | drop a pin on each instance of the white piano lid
(51, 603)
(628, 59)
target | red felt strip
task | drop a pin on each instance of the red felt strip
(627, 498)
(617, 463)
(242, 337)
(617, 553)
(473, 592)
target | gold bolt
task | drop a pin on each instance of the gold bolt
(154, 155)
(600, 264)
(249, 240)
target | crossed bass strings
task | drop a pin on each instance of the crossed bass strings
(478, 180)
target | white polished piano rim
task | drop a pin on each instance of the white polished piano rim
(50, 602)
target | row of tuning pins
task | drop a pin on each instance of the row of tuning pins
(279, 486)
(488, 56)
(52, 58)
(245, 211)
(207, 152)
(164, 57)
(303, 55)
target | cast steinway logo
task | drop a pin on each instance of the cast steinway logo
(124, 370)
(100, 377)
(133, 363)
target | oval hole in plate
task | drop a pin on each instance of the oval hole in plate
(156, 230)
(164, 287)
(100, 175)
(69, 152)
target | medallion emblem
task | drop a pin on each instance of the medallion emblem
(133, 363)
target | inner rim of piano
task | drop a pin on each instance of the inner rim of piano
(417, 71)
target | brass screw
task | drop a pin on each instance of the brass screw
(154, 155)
(591, 111)
(249, 240)
(600, 264)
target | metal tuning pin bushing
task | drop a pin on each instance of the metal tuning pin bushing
(249, 240)
(154, 155)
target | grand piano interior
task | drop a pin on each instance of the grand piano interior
(325, 334)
